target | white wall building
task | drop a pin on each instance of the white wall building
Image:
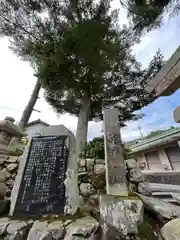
(159, 153)
(35, 127)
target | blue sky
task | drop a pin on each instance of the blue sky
(159, 114)
(17, 82)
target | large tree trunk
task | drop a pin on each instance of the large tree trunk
(27, 112)
(29, 108)
(82, 127)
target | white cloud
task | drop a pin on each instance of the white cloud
(17, 82)
(145, 41)
(122, 13)
(165, 38)
(95, 130)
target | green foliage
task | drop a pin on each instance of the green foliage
(158, 132)
(16, 151)
(95, 149)
(155, 133)
(146, 15)
(78, 50)
(24, 140)
(150, 135)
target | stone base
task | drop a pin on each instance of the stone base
(86, 228)
(122, 216)
(170, 230)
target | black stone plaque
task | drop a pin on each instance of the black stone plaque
(42, 189)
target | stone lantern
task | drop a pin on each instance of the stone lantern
(8, 130)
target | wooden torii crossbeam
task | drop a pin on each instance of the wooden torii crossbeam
(167, 80)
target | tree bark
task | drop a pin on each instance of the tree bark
(29, 108)
(82, 127)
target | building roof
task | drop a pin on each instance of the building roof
(38, 121)
(164, 138)
(167, 79)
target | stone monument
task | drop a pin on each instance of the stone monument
(47, 176)
(119, 216)
(115, 169)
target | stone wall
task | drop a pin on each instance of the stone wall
(8, 169)
(92, 180)
(91, 177)
(86, 228)
(107, 217)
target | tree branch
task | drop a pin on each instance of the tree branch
(18, 26)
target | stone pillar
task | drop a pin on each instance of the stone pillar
(166, 165)
(114, 158)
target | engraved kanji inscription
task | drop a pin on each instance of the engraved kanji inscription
(42, 189)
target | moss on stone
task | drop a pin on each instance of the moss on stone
(146, 232)
(131, 197)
